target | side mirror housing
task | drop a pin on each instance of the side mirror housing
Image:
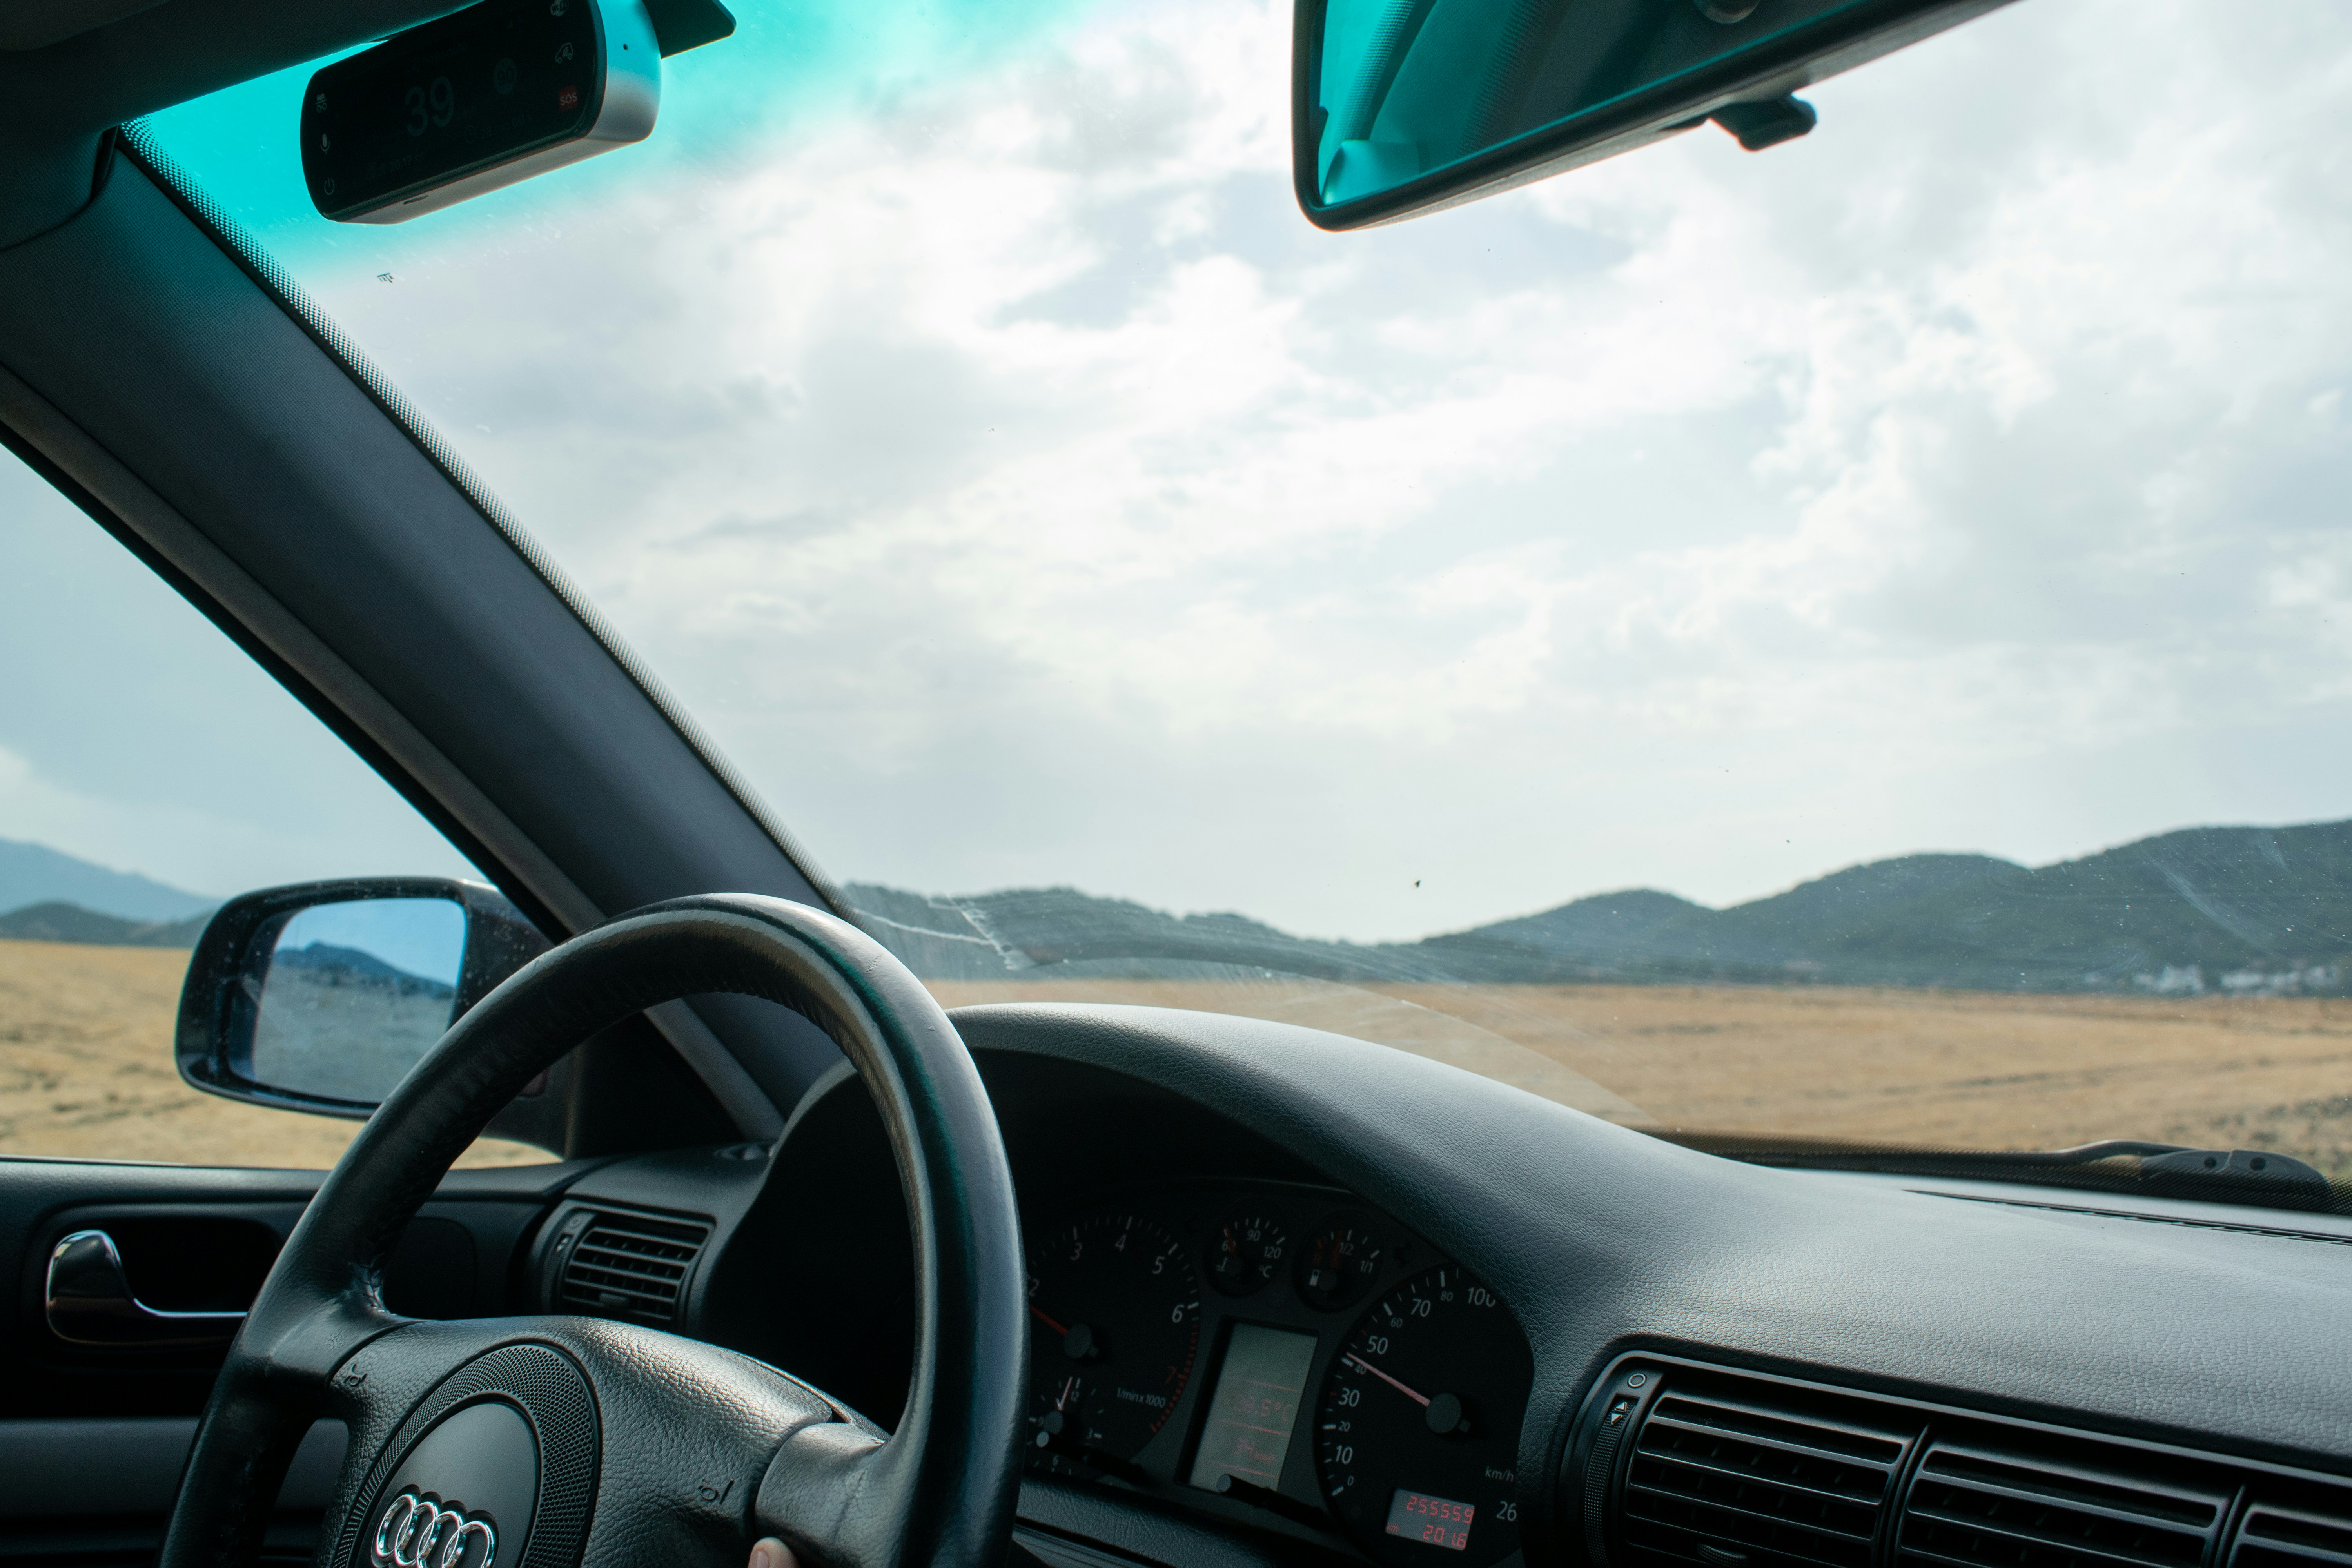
(321, 996)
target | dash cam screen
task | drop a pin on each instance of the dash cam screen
(467, 92)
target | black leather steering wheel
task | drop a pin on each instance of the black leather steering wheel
(605, 1443)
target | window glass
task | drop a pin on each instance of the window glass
(149, 770)
(1847, 641)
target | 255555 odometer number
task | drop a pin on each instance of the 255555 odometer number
(1417, 1432)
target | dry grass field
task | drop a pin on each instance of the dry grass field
(86, 1066)
(86, 1070)
(1967, 1068)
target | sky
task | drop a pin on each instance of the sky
(134, 734)
(970, 429)
(423, 936)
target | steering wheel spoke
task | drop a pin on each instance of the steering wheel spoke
(833, 1493)
(310, 1349)
(595, 1442)
(384, 1375)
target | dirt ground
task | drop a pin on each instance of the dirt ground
(85, 1069)
(1955, 1068)
(86, 1066)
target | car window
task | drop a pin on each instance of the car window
(1839, 642)
(148, 770)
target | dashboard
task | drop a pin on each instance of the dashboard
(1297, 1302)
(1297, 1299)
(1219, 1331)
(1285, 1349)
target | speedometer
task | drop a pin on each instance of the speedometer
(1417, 1434)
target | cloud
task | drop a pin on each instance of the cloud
(1024, 493)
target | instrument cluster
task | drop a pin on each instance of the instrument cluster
(1270, 1349)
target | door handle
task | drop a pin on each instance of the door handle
(90, 1304)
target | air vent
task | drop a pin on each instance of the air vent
(2276, 1537)
(1678, 1464)
(1974, 1508)
(1730, 1480)
(630, 1266)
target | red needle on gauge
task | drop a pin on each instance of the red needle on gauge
(1384, 1377)
(1065, 1332)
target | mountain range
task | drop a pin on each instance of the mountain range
(36, 874)
(2257, 910)
(2245, 909)
(59, 922)
(331, 964)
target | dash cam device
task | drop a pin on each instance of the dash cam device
(491, 95)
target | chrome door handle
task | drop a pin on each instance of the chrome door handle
(90, 1304)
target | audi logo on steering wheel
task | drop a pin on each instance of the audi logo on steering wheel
(417, 1531)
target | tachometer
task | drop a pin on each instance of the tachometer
(1417, 1434)
(1115, 1323)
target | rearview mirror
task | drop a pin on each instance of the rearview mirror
(321, 997)
(1403, 106)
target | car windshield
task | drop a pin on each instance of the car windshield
(1837, 642)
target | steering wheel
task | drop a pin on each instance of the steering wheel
(550, 1442)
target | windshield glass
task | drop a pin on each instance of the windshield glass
(1840, 641)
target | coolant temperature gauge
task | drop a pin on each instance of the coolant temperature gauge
(1246, 1252)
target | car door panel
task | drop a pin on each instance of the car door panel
(95, 1492)
(93, 1437)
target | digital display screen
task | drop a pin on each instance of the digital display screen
(1417, 1516)
(1255, 1407)
(465, 93)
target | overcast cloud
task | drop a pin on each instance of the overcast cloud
(1023, 493)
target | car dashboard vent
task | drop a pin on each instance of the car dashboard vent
(1681, 1464)
(1724, 1479)
(1972, 1508)
(2277, 1537)
(626, 1265)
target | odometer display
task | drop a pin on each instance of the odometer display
(1417, 1431)
(1439, 1521)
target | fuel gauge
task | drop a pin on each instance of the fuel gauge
(1338, 1263)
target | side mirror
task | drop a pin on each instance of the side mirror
(321, 997)
(1401, 106)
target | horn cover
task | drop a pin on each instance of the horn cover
(510, 1439)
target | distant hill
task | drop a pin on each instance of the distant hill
(2249, 910)
(71, 922)
(331, 964)
(36, 874)
(2270, 907)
